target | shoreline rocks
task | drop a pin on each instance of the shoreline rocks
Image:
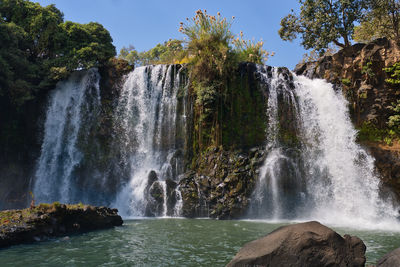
(303, 244)
(53, 220)
(390, 259)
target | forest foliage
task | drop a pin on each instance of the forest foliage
(381, 18)
(38, 48)
(322, 23)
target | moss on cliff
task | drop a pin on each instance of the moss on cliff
(241, 115)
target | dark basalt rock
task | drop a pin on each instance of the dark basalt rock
(391, 259)
(303, 244)
(171, 196)
(52, 220)
(155, 200)
(222, 184)
(151, 178)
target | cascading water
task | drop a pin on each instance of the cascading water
(271, 197)
(313, 167)
(340, 173)
(73, 108)
(151, 130)
(333, 176)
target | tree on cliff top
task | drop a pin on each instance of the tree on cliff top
(381, 19)
(170, 52)
(214, 53)
(37, 48)
(322, 22)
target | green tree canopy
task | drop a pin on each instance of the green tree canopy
(382, 19)
(170, 52)
(130, 54)
(322, 22)
(37, 48)
(87, 45)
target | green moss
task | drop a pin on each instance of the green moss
(367, 70)
(346, 82)
(363, 95)
(244, 120)
(370, 133)
(394, 74)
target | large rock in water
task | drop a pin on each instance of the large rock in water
(303, 244)
(52, 220)
(391, 259)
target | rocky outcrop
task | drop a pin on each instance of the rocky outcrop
(303, 244)
(52, 220)
(222, 184)
(155, 200)
(387, 162)
(390, 259)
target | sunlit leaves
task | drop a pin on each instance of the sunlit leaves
(322, 22)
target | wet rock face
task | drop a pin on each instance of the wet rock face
(303, 244)
(52, 220)
(387, 162)
(172, 196)
(222, 184)
(154, 193)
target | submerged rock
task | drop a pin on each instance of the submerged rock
(155, 200)
(172, 196)
(303, 244)
(390, 259)
(52, 220)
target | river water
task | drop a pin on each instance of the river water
(167, 242)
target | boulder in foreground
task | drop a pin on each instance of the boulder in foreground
(51, 220)
(391, 259)
(303, 244)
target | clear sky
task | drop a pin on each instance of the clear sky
(145, 23)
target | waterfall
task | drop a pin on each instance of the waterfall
(151, 129)
(324, 174)
(73, 107)
(313, 168)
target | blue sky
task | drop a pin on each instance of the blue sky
(146, 23)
